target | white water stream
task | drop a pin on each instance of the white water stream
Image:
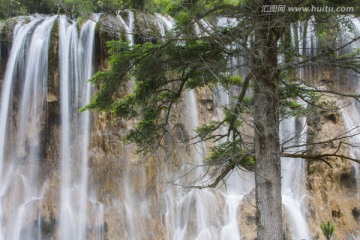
(293, 132)
(128, 26)
(76, 67)
(20, 140)
(351, 113)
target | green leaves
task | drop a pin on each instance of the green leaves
(327, 229)
(158, 73)
(236, 80)
(230, 151)
(125, 108)
(11, 8)
(183, 18)
(290, 96)
(80, 7)
(206, 130)
(148, 132)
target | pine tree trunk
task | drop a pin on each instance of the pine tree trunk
(267, 142)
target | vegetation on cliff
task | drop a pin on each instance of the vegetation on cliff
(10, 8)
(327, 229)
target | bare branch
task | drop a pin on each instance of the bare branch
(318, 156)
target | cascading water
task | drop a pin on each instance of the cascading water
(192, 214)
(1, 29)
(351, 118)
(165, 24)
(129, 27)
(32, 118)
(241, 182)
(20, 33)
(67, 41)
(76, 67)
(293, 133)
(351, 114)
(20, 147)
(26, 79)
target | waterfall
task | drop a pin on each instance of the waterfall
(293, 133)
(129, 27)
(68, 39)
(76, 67)
(165, 24)
(20, 141)
(195, 214)
(203, 198)
(182, 203)
(351, 114)
(241, 182)
(1, 29)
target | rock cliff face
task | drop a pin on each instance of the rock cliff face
(132, 196)
(333, 192)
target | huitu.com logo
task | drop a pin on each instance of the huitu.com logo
(284, 8)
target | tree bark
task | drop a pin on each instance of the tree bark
(267, 142)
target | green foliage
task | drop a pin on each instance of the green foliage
(236, 80)
(327, 229)
(186, 12)
(206, 130)
(248, 102)
(151, 65)
(290, 95)
(147, 132)
(159, 73)
(229, 152)
(80, 7)
(10, 8)
(161, 6)
(249, 163)
(123, 107)
(183, 18)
